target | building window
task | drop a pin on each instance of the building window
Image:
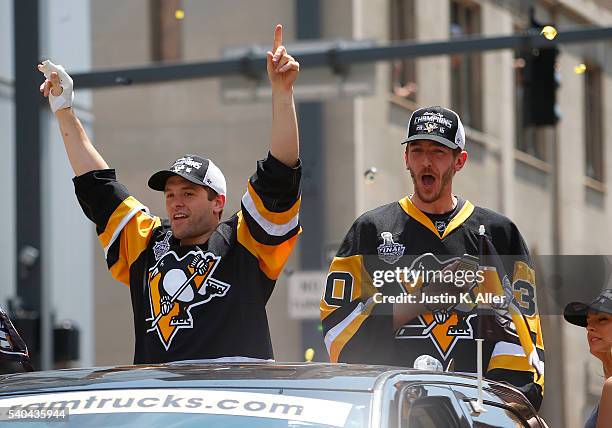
(403, 71)
(466, 69)
(166, 30)
(593, 122)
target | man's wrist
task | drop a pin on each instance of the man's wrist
(280, 92)
(63, 112)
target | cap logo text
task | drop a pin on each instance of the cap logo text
(433, 118)
(185, 162)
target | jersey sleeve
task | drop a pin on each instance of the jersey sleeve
(351, 324)
(123, 224)
(508, 361)
(268, 222)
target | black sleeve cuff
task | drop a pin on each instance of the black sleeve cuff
(92, 178)
(276, 167)
(99, 194)
(277, 184)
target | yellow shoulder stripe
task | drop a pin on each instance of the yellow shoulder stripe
(347, 333)
(517, 363)
(362, 288)
(272, 217)
(271, 258)
(134, 239)
(124, 208)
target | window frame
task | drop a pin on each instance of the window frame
(403, 26)
(593, 128)
(166, 30)
(466, 70)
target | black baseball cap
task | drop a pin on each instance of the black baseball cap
(194, 168)
(576, 312)
(438, 124)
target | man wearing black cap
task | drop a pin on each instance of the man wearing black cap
(385, 301)
(198, 286)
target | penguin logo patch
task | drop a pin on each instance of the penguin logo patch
(431, 127)
(176, 285)
(443, 327)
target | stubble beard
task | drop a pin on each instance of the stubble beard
(446, 178)
(191, 230)
(181, 233)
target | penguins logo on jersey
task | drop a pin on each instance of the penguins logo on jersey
(443, 327)
(444, 335)
(178, 284)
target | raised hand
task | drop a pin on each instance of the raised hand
(57, 86)
(283, 69)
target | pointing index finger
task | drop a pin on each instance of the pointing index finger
(278, 37)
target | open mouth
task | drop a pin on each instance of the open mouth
(179, 217)
(428, 180)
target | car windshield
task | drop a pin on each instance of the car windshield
(174, 408)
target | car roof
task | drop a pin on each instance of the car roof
(315, 376)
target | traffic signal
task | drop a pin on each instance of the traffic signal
(540, 83)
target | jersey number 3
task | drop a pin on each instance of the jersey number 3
(525, 297)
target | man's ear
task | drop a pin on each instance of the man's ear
(406, 158)
(461, 160)
(218, 203)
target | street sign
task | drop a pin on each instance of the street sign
(305, 291)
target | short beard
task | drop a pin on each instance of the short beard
(179, 236)
(175, 234)
(446, 178)
(189, 232)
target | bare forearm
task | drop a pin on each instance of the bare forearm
(605, 405)
(284, 144)
(81, 153)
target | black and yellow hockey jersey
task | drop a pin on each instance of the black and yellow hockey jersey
(358, 327)
(198, 301)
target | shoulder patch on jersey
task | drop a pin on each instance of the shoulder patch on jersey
(162, 247)
(390, 251)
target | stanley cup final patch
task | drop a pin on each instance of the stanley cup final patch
(390, 251)
(162, 247)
